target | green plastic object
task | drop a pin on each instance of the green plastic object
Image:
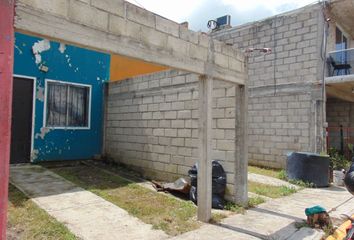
(314, 210)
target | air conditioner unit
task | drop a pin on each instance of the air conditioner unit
(224, 21)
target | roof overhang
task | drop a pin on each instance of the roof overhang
(342, 13)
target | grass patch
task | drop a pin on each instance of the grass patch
(280, 174)
(300, 183)
(252, 202)
(264, 171)
(269, 190)
(216, 218)
(27, 221)
(166, 213)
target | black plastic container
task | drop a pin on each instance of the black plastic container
(308, 167)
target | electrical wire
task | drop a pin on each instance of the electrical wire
(275, 54)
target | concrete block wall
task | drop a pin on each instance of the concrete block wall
(152, 124)
(284, 97)
(340, 113)
(278, 125)
(295, 40)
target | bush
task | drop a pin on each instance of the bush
(337, 161)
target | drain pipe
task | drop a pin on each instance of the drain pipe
(324, 58)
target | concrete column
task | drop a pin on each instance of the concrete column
(241, 154)
(205, 148)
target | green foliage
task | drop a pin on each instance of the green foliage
(301, 183)
(336, 160)
(233, 207)
(282, 175)
(302, 224)
(254, 201)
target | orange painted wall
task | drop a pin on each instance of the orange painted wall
(124, 67)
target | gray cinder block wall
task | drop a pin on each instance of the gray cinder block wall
(285, 101)
(339, 113)
(152, 124)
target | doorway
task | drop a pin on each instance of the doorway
(22, 117)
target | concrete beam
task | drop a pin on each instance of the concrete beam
(340, 79)
(122, 28)
(337, 93)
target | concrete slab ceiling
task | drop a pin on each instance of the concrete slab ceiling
(341, 87)
(342, 11)
(119, 27)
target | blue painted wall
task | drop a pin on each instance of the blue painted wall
(68, 64)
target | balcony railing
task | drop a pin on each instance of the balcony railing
(340, 62)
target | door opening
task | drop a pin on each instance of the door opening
(22, 117)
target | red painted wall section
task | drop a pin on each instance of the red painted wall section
(6, 68)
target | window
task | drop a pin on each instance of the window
(341, 40)
(67, 105)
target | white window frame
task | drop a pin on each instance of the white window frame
(45, 105)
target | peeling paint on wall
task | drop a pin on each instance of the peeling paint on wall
(38, 48)
(34, 154)
(86, 67)
(44, 131)
(40, 94)
(62, 47)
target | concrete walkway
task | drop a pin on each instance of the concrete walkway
(91, 217)
(276, 219)
(85, 214)
(269, 180)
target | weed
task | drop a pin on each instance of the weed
(216, 218)
(233, 207)
(282, 175)
(302, 224)
(301, 183)
(254, 201)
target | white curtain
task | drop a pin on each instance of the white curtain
(67, 105)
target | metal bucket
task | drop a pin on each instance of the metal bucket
(338, 178)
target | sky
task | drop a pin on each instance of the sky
(198, 12)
